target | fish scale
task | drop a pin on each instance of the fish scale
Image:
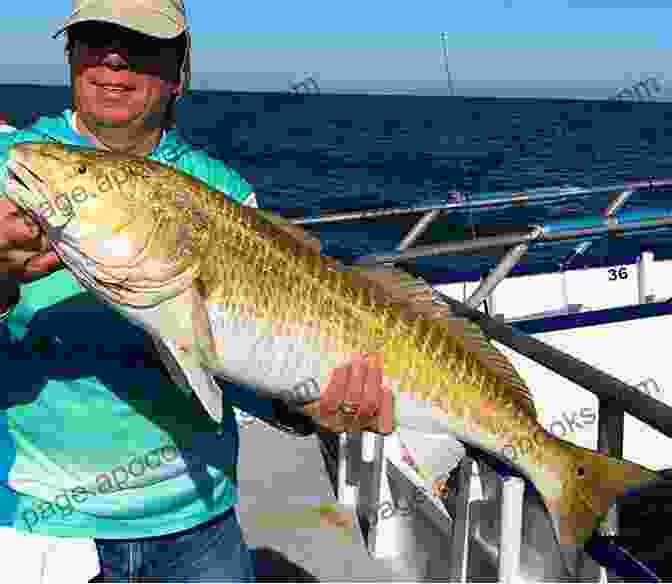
(249, 298)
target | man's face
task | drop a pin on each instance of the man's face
(121, 78)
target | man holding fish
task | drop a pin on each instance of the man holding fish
(85, 395)
(224, 292)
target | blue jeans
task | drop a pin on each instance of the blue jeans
(212, 552)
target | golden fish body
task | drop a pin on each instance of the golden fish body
(226, 291)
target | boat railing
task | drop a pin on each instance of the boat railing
(615, 397)
(462, 200)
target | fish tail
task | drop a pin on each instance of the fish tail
(591, 484)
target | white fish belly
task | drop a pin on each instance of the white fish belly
(253, 353)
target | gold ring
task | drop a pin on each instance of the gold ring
(347, 408)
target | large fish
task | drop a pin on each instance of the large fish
(226, 292)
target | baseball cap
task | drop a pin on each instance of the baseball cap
(164, 19)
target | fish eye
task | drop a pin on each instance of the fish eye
(580, 472)
(81, 169)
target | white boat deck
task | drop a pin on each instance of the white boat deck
(281, 479)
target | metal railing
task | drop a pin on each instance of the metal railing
(460, 201)
(615, 397)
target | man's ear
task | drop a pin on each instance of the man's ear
(185, 68)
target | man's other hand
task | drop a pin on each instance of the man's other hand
(356, 398)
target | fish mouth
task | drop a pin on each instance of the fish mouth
(31, 195)
(22, 180)
(16, 185)
(23, 175)
(15, 179)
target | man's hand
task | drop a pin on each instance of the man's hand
(24, 252)
(356, 398)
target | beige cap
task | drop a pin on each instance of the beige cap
(164, 19)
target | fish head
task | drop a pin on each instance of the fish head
(110, 217)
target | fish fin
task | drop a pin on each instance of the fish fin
(190, 376)
(403, 287)
(181, 331)
(205, 340)
(591, 483)
(170, 362)
(294, 231)
(418, 295)
(475, 341)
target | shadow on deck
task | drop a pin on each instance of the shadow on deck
(273, 566)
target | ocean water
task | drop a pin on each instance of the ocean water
(316, 153)
(311, 154)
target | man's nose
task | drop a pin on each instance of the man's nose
(114, 60)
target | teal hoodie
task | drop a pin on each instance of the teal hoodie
(95, 441)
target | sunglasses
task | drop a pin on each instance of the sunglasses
(101, 35)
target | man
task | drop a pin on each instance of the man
(96, 441)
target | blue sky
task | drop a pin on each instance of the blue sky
(489, 40)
